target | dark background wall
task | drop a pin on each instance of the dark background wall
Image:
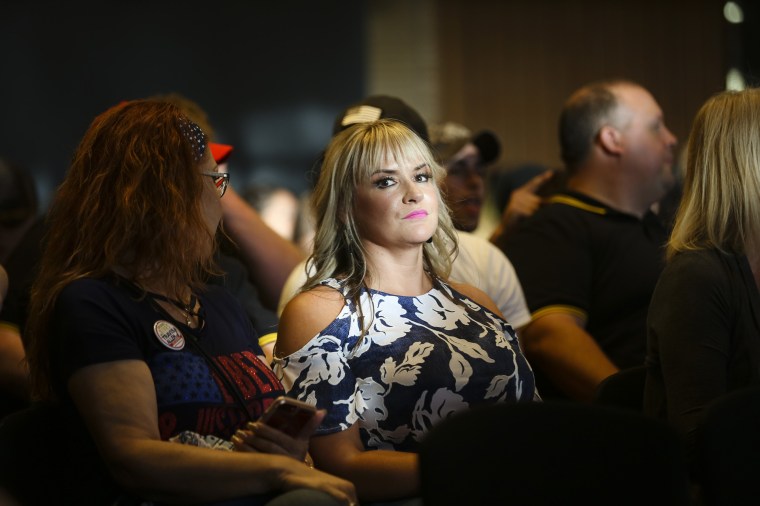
(744, 42)
(272, 75)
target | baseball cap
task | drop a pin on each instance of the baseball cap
(488, 145)
(220, 152)
(450, 137)
(377, 107)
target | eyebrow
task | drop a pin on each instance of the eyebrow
(392, 171)
(384, 171)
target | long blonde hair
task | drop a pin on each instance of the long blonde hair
(350, 158)
(720, 207)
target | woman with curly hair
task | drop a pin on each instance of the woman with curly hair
(127, 335)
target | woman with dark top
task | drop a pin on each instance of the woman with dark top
(127, 334)
(704, 318)
(378, 337)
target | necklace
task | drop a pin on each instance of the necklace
(187, 310)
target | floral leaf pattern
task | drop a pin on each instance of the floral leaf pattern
(420, 360)
(387, 323)
(498, 387)
(371, 400)
(443, 403)
(406, 372)
(461, 369)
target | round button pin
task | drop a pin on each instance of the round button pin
(169, 335)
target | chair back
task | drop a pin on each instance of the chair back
(537, 454)
(624, 389)
(47, 457)
(32, 457)
(727, 462)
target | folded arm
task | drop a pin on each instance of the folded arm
(558, 344)
(117, 401)
(379, 475)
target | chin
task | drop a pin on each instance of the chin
(422, 238)
(466, 226)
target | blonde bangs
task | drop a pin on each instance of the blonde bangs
(379, 146)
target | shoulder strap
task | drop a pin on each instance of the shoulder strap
(228, 382)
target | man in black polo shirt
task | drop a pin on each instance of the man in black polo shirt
(589, 259)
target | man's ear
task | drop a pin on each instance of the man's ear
(610, 140)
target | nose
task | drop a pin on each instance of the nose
(475, 178)
(412, 193)
(671, 139)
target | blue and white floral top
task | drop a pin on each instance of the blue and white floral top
(421, 359)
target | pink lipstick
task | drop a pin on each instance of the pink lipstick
(419, 213)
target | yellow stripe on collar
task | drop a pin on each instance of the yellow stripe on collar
(559, 308)
(267, 339)
(10, 326)
(574, 202)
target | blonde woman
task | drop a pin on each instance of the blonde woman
(378, 337)
(703, 332)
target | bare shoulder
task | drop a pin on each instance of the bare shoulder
(305, 316)
(477, 295)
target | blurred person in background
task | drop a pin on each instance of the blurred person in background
(590, 257)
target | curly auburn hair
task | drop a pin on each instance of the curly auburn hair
(129, 201)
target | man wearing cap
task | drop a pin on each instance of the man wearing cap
(466, 158)
(479, 263)
(590, 258)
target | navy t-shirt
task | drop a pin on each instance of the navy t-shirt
(105, 320)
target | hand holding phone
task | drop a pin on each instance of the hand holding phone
(288, 415)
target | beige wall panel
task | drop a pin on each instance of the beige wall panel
(509, 65)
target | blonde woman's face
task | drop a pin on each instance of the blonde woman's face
(396, 207)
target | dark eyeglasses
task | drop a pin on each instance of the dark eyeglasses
(221, 180)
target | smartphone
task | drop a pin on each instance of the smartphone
(288, 415)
